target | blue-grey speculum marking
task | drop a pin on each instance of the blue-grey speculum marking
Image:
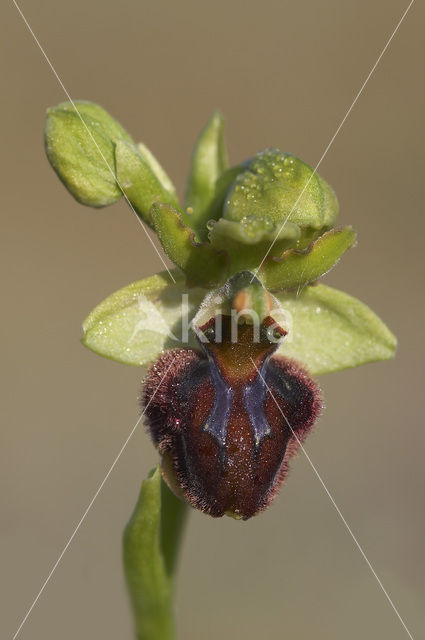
(254, 394)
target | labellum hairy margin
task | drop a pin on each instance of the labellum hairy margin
(228, 417)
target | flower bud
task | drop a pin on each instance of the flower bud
(276, 197)
(286, 189)
(80, 145)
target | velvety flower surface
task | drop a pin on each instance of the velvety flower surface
(227, 419)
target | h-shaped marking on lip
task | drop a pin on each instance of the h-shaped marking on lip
(219, 416)
(254, 394)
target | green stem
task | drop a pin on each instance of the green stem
(150, 548)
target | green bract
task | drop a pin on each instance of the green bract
(202, 263)
(209, 161)
(296, 267)
(142, 179)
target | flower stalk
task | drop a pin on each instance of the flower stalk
(151, 543)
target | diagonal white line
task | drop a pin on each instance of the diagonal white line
(338, 510)
(171, 276)
(45, 583)
(90, 134)
(334, 135)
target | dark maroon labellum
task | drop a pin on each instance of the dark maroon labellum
(228, 418)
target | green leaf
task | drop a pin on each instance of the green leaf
(203, 265)
(134, 324)
(80, 148)
(209, 160)
(331, 331)
(298, 268)
(139, 181)
(150, 545)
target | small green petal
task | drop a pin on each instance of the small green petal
(139, 182)
(331, 331)
(298, 268)
(209, 160)
(81, 151)
(134, 324)
(203, 265)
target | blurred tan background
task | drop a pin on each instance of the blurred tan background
(284, 74)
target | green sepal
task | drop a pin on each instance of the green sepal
(80, 148)
(140, 181)
(330, 330)
(134, 324)
(297, 268)
(209, 160)
(150, 544)
(203, 265)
